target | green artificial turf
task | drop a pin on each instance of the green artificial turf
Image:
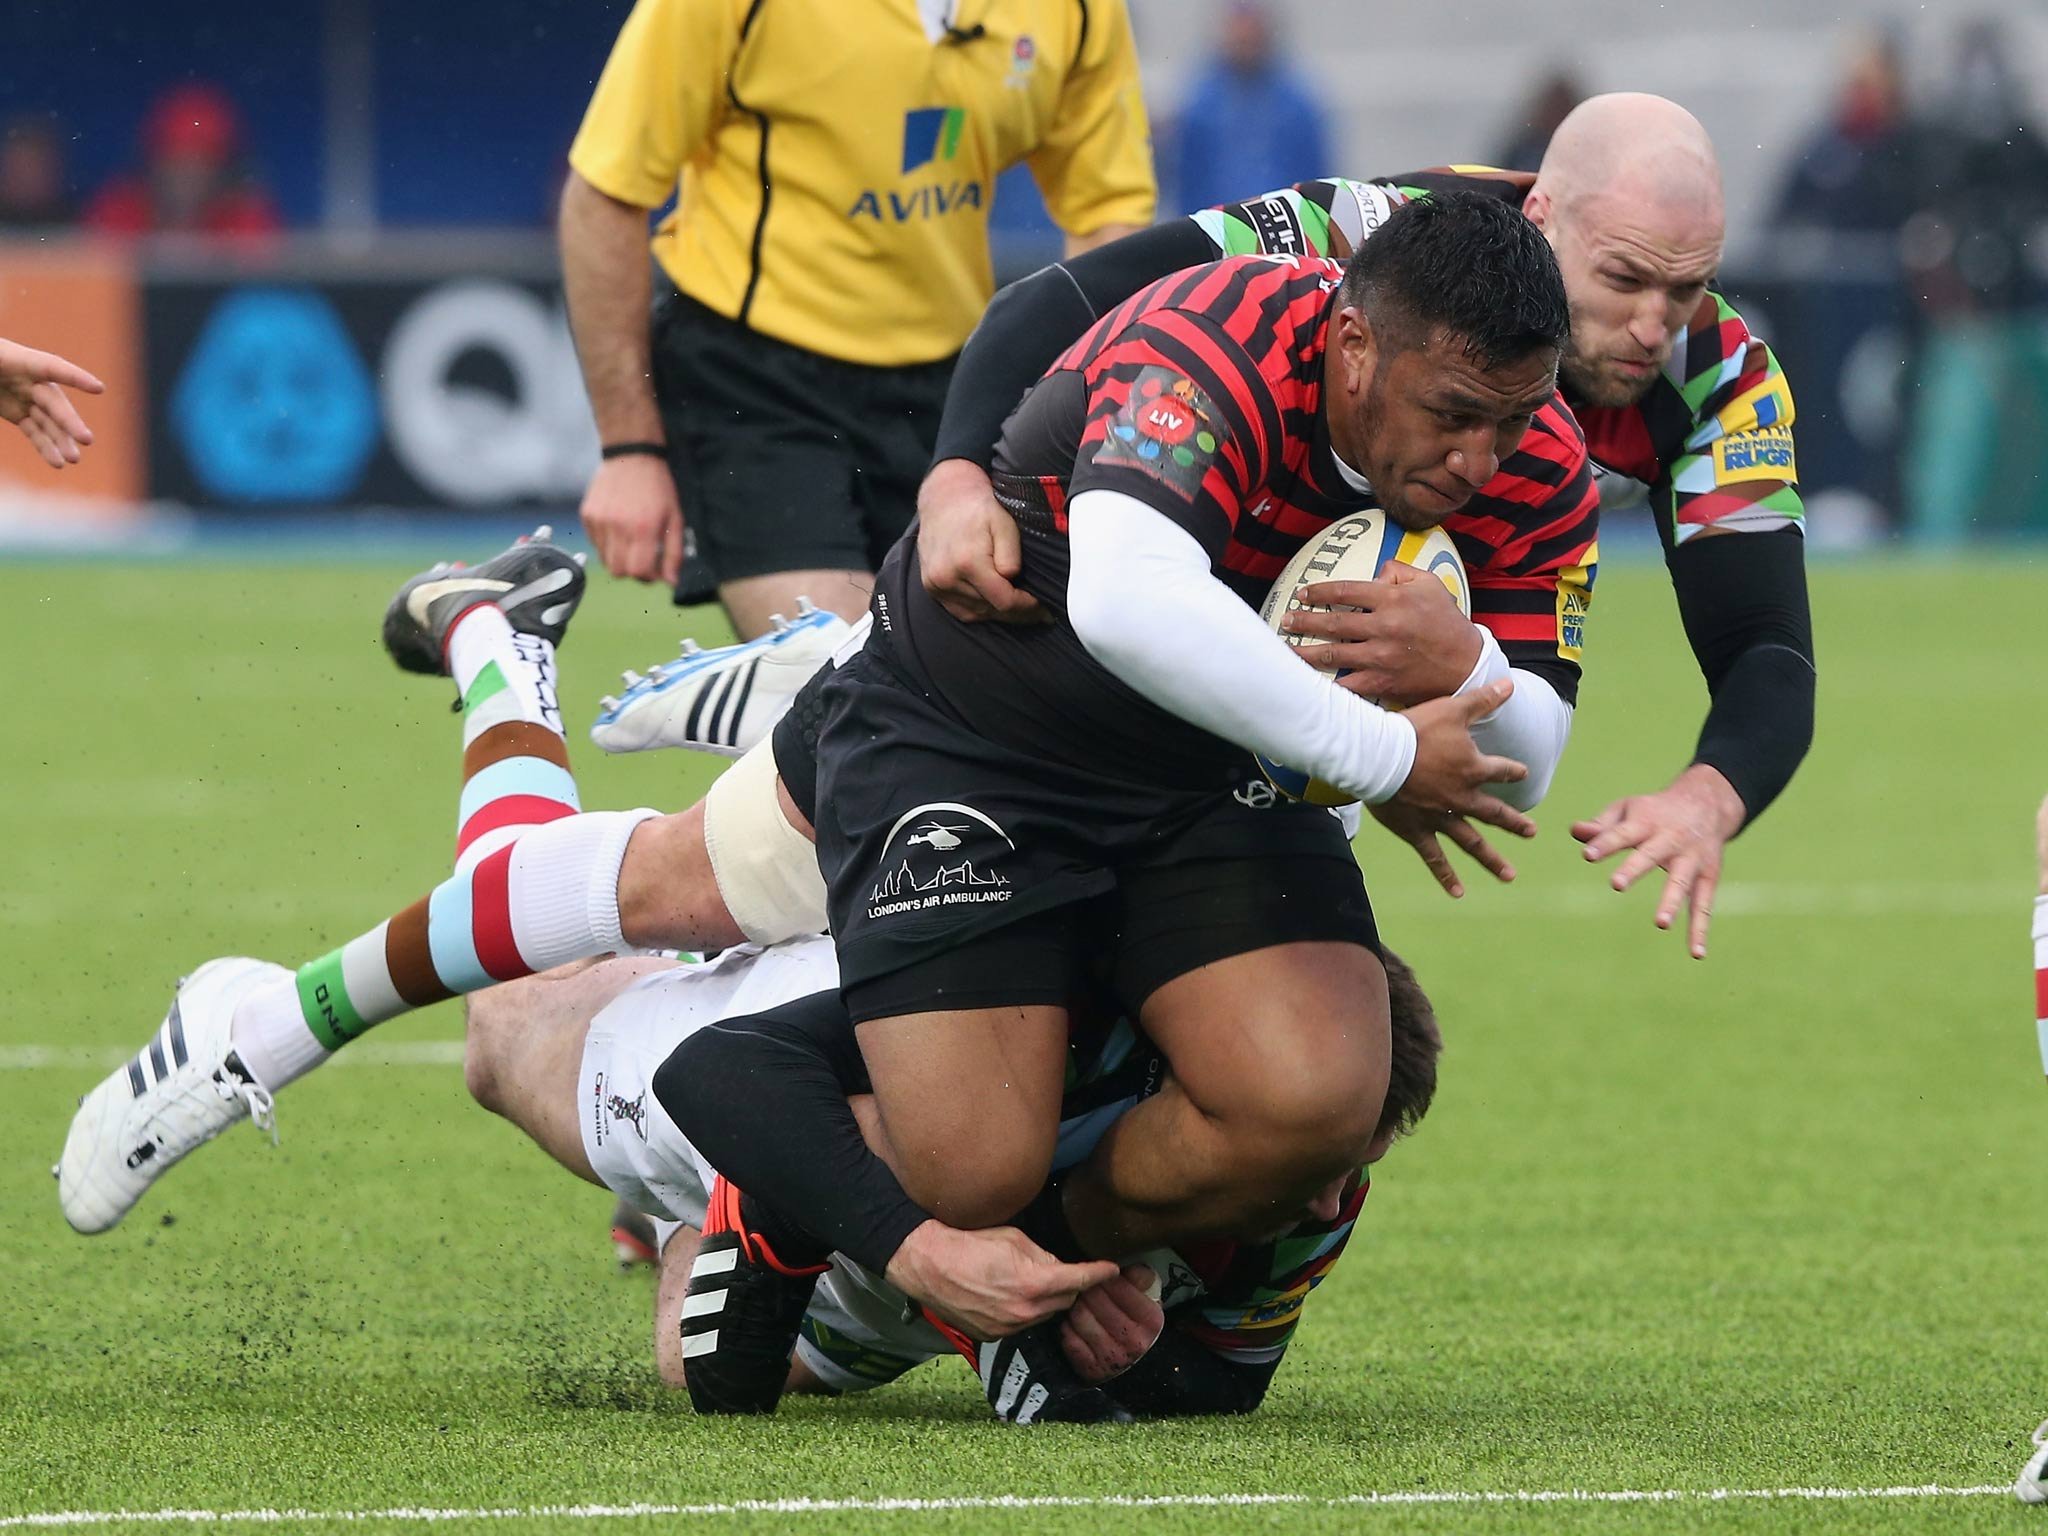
(1759, 1223)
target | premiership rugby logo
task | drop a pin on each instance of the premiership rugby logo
(1762, 453)
(940, 855)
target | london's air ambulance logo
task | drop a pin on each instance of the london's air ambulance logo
(941, 855)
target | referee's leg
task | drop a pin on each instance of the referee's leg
(752, 602)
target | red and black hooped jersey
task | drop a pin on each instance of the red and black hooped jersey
(1201, 396)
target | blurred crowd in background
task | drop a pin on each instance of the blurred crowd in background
(1900, 266)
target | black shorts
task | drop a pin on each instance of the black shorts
(931, 838)
(785, 460)
(1160, 922)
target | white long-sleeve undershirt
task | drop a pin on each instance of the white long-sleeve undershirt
(1532, 727)
(1144, 604)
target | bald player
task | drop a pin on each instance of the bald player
(1683, 409)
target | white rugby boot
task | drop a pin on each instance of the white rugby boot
(183, 1089)
(2032, 1486)
(723, 700)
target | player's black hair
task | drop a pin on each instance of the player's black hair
(1467, 264)
(1411, 1078)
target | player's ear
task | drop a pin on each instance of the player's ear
(1358, 348)
(1537, 207)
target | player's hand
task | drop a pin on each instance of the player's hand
(1681, 830)
(32, 398)
(1420, 829)
(1112, 1326)
(633, 519)
(991, 1282)
(1450, 772)
(1399, 638)
(969, 548)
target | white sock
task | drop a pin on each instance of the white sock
(501, 674)
(269, 1033)
(563, 887)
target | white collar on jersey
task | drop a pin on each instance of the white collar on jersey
(937, 16)
(1352, 477)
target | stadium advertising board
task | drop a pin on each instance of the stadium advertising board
(407, 392)
(82, 302)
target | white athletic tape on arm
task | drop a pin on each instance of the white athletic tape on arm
(767, 871)
(1144, 603)
(1532, 727)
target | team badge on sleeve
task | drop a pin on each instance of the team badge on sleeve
(1574, 602)
(1165, 429)
(1763, 453)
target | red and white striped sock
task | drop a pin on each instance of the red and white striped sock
(535, 882)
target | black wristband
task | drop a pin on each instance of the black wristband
(627, 450)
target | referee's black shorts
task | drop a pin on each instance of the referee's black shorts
(785, 460)
(962, 877)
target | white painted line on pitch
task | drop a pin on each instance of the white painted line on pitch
(398, 1053)
(999, 1502)
(1765, 898)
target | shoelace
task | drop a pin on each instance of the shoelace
(259, 1101)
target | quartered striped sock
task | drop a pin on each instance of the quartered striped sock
(535, 882)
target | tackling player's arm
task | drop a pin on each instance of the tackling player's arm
(740, 1087)
(967, 548)
(659, 99)
(1729, 514)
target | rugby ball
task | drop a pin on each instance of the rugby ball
(1353, 548)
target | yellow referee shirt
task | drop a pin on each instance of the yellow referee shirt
(837, 157)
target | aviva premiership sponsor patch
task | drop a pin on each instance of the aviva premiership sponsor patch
(1764, 453)
(1574, 600)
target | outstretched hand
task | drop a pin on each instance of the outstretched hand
(1681, 830)
(32, 398)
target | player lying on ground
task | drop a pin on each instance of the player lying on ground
(579, 1058)
(1679, 401)
(579, 885)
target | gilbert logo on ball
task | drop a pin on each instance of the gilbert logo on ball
(1353, 548)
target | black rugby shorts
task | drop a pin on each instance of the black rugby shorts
(963, 875)
(785, 460)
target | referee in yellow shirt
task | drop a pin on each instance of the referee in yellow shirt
(828, 254)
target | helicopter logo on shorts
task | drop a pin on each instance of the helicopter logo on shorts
(968, 845)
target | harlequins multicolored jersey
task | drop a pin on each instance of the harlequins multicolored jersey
(1710, 444)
